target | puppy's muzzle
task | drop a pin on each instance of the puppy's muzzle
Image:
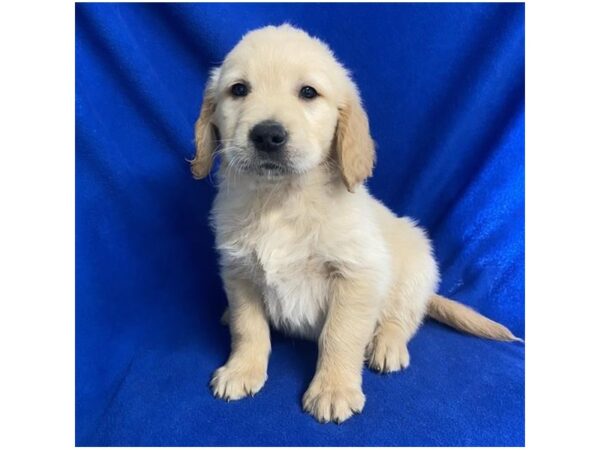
(269, 136)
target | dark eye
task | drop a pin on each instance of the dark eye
(239, 90)
(308, 92)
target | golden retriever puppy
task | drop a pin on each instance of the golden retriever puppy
(303, 245)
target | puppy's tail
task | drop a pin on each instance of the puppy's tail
(468, 320)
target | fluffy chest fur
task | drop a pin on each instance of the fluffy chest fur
(278, 245)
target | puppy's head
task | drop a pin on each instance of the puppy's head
(281, 105)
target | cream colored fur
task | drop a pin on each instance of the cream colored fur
(310, 251)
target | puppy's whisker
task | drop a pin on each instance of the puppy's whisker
(231, 169)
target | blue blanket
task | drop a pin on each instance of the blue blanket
(444, 88)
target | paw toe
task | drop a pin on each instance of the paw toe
(231, 383)
(388, 357)
(336, 404)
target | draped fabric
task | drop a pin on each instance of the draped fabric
(443, 85)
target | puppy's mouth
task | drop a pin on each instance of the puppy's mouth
(247, 159)
(270, 166)
(272, 169)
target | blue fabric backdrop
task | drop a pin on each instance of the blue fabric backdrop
(444, 88)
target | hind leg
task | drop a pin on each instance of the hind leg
(387, 351)
(403, 312)
(416, 277)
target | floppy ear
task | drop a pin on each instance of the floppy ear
(205, 131)
(354, 146)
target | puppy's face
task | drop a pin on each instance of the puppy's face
(279, 106)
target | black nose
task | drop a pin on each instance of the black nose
(268, 136)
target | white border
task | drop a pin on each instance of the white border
(37, 237)
(37, 232)
(562, 223)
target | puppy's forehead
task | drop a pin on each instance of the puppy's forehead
(280, 52)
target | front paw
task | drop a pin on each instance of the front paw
(237, 380)
(333, 400)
